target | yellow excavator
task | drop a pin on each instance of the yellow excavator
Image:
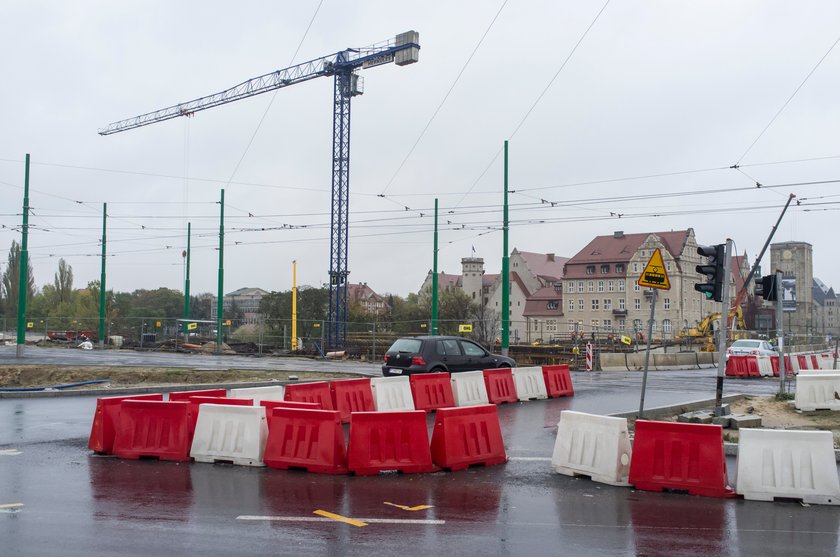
(705, 330)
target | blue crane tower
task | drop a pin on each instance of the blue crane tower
(344, 66)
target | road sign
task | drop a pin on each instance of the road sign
(626, 340)
(192, 326)
(465, 328)
(654, 275)
(30, 325)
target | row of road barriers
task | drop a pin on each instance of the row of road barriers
(301, 425)
(690, 458)
(768, 366)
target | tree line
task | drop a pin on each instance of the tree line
(66, 307)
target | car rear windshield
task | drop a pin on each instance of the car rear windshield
(406, 345)
(747, 344)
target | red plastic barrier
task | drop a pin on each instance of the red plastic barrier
(500, 385)
(351, 395)
(154, 429)
(736, 366)
(186, 395)
(815, 362)
(467, 436)
(312, 440)
(803, 361)
(558, 380)
(105, 420)
(679, 456)
(272, 404)
(431, 391)
(196, 401)
(318, 392)
(751, 364)
(389, 441)
(774, 361)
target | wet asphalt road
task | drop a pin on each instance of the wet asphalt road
(75, 503)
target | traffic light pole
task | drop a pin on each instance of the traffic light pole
(780, 331)
(724, 313)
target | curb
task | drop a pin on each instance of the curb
(139, 390)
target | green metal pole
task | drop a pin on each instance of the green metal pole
(505, 268)
(435, 276)
(187, 287)
(102, 281)
(221, 295)
(23, 277)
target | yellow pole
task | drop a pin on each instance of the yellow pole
(294, 305)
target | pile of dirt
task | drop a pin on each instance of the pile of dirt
(781, 414)
(46, 375)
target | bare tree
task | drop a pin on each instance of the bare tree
(63, 281)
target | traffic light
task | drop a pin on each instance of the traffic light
(766, 287)
(713, 287)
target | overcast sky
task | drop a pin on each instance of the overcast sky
(681, 89)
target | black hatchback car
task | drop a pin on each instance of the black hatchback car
(427, 354)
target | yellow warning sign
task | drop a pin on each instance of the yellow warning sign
(654, 275)
(465, 328)
(192, 326)
(626, 340)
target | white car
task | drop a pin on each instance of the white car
(751, 348)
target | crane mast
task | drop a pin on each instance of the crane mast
(343, 66)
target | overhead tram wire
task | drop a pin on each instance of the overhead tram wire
(443, 101)
(539, 97)
(778, 112)
(273, 96)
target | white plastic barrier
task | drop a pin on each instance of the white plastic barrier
(826, 361)
(229, 433)
(794, 364)
(530, 383)
(817, 391)
(468, 388)
(765, 366)
(274, 392)
(391, 394)
(787, 463)
(594, 446)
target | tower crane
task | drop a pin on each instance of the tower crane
(344, 66)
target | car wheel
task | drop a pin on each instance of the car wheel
(437, 369)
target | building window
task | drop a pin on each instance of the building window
(637, 325)
(621, 324)
(551, 325)
(635, 267)
(666, 326)
(596, 323)
(607, 304)
(590, 269)
(621, 304)
(580, 286)
(600, 286)
(621, 285)
(607, 324)
(637, 303)
(667, 303)
(610, 286)
(571, 305)
(619, 267)
(580, 304)
(571, 287)
(605, 269)
(667, 267)
(590, 285)
(552, 305)
(571, 326)
(595, 304)
(636, 287)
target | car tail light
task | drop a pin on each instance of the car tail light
(385, 359)
(755, 352)
(417, 360)
(729, 351)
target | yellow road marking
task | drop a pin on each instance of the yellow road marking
(405, 508)
(11, 506)
(340, 518)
